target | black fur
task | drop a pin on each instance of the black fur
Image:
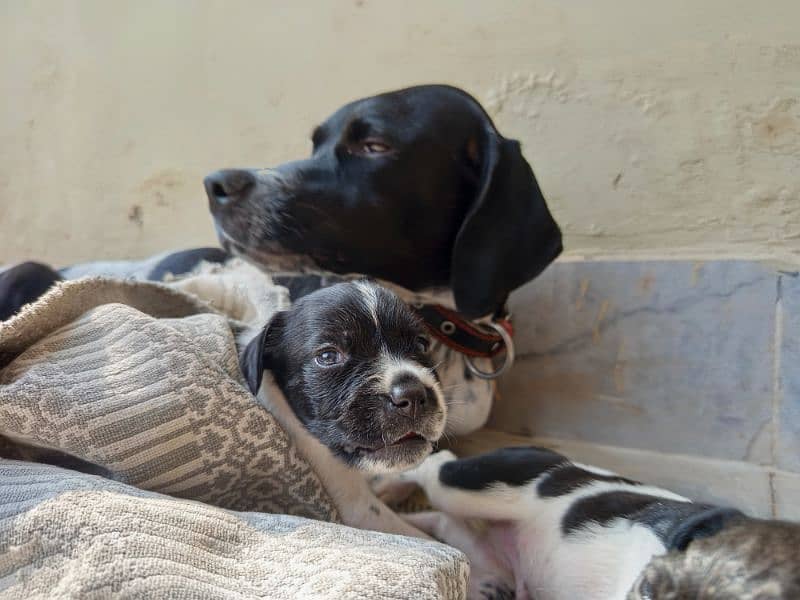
(345, 406)
(255, 355)
(22, 284)
(184, 261)
(676, 523)
(566, 479)
(508, 236)
(702, 524)
(447, 202)
(514, 466)
(57, 458)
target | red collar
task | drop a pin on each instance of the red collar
(462, 335)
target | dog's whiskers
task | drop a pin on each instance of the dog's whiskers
(446, 436)
(453, 387)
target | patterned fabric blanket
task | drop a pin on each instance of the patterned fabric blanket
(135, 388)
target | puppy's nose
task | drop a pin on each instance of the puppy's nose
(228, 186)
(407, 394)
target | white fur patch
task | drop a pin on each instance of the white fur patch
(370, 295)
(390, 367)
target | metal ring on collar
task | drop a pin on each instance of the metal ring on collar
(508, 342)
(447, 327)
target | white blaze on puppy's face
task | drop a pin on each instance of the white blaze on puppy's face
(370, 294)
(391, 368)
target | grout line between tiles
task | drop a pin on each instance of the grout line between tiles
(777, 392)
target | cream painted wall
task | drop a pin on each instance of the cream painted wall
(653, 127)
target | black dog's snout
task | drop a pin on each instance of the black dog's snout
(408, 394)
(227, 186)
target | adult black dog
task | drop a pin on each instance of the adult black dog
(416, 188)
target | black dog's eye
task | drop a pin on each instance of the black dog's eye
(374, 147)
(423, 343)
(329, 357)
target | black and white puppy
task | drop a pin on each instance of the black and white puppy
(346, 371)
(551, 529)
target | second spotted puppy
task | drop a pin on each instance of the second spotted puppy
(551, 529)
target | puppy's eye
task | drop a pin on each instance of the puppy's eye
(374, 147)
(329, 357)
(423, 343)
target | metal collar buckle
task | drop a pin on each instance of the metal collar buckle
(508, 360)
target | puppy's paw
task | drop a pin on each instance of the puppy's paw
(392, 488)
(492, 588)
(405, 491)
(432, 522)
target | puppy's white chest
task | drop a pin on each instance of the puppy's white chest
(469, 398)
(600, 563)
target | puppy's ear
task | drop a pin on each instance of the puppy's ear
(259, 352)
(508, 236)
(702, 524)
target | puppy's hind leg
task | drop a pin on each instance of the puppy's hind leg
(450, 530)
(488, 579)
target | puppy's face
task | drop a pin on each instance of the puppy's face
(407, 187)
(352, 362)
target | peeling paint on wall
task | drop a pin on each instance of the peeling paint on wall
(629, 167)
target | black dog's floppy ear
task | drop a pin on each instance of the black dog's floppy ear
(702, 524)
(508, 236)
(257, 354)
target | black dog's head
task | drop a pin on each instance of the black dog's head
(415, 187)
(352, 361)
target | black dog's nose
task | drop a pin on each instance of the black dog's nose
(407, 394)
(228, 185)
